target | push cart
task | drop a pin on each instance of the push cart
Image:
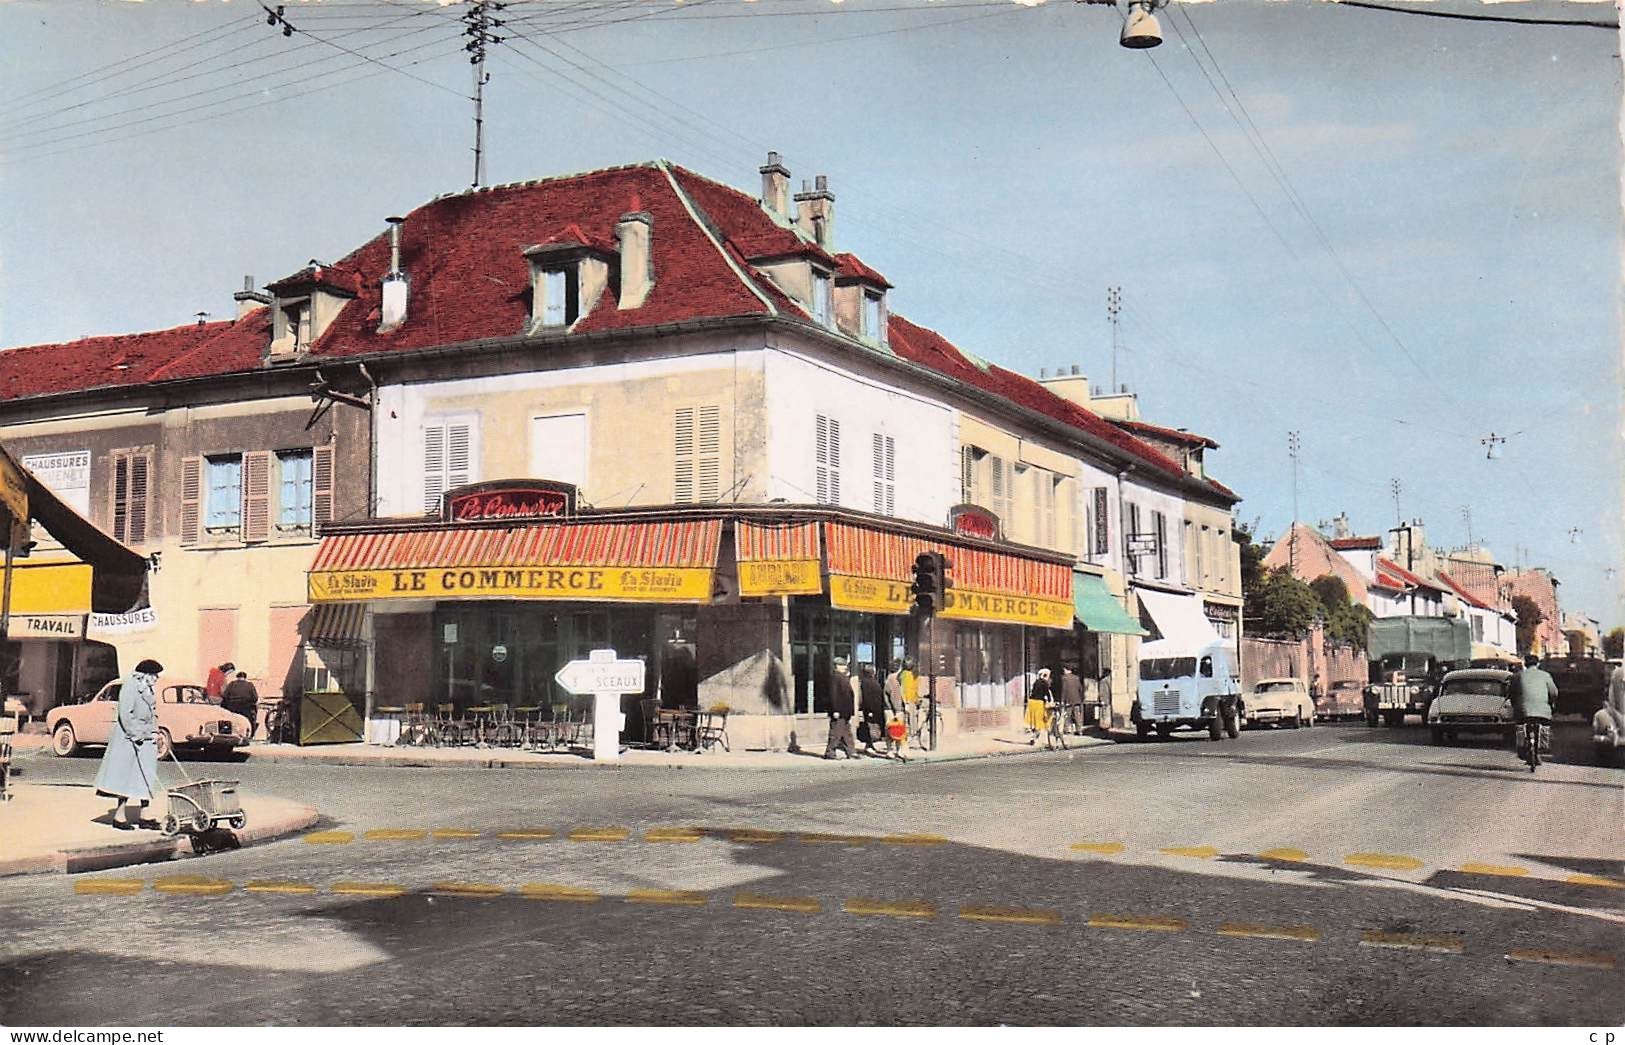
(199, 805)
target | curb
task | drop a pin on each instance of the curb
(155, 850)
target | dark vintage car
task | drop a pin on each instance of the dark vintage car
(1582, 684)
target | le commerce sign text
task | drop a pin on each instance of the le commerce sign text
(636, 584)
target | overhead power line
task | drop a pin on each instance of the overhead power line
(1462, 16)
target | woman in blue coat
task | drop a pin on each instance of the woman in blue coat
(129, 769)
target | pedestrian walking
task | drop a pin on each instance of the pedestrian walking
(1072, 698)
(842, 708)
(872, 702)
(214, 686)
(908, 684)
(1037, 716)
(129, 769)
(242, 698)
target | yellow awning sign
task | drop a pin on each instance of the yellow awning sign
(780, 577)
(13, 490)
(39, 588)
(877, 595)
(606, 583)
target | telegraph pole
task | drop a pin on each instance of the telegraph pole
(1294, 443)
(1114, 306)
(479, 25)
(1393, 488)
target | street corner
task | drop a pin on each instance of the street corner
(68, 829)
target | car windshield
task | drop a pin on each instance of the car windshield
(1415, 663)
(185, 695)
(1274, 687)
(1167, 668)
(1476, 687)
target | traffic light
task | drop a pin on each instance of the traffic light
(931, 581)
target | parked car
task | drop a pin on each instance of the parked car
(1582, 684)
(185, 718)
(1608, 724)
(1346, 700)
(1279, 701)
(1476, 700)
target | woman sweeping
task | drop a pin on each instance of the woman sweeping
(129, 769)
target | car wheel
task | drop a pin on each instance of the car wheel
(63, 742)
(1297, 719)
(163, 745)
(1371, 719)
(172, 825)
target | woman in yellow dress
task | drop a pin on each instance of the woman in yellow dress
(1037, 714)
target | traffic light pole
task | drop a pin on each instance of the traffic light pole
(931, 708)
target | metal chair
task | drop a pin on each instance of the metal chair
(711, 729)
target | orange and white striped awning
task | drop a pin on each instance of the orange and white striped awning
(660, 561)
(777, 558)
(872, 570)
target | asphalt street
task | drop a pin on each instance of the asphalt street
(1339, 875)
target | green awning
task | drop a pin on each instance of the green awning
(1099, 609)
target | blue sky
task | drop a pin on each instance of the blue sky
(1424, 249)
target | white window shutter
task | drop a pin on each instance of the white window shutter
(434, 467)
(459, 455)
(683, 455)
(708, 452)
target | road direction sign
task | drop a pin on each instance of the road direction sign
(601, 673)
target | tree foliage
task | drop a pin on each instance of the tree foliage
(1346, 621)
(1529, 619)
(1252, 568)
(1613, 643)
(1286, 606)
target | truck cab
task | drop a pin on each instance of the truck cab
(1196, 690)
(1401, 684)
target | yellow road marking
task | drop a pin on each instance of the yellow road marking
(1198, 852)
(109, 886)
(549, 891)
(680, 897)
(1586, 960)
(758, 902)
(600, 834)
(367, 889)
(1097, 847)
(1013, 915)
(467, 889)
(1595, 879)
(1496, 869)
(817, 838)
(1290, 856)
(448, 833)
(1389, 861)
(1433, 943)
(1153, 923)
(269, 885)
(529, 834)
(329, 837)
(192, 885)
(1270, 932)
(751, 834)
(913, 840)
(395, 834)
(674, 834)
(893, 908)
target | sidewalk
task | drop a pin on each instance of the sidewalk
(960, 748)
(63, 829)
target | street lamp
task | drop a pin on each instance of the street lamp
(1141, 30)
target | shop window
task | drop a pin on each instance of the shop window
(885, 474)
(131, 495)
(223, 475)
(828, 460)
(697, 454)
(448, 458)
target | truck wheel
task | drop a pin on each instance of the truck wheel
(1165, 730)
(1215, 727)
(1142, 729)
(1393, 719)
(1371, 719)
(1232, 724)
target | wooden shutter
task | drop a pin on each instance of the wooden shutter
(256, 518)
(191, 499)
(119, 494)
(1160, 522)
(1102, 522)
(828, 460)
(140, 496)
(708, 453)
(459, 455)
(1130, 531)
(434, 467)
(321, 487)
(682, 431)
(967, 474)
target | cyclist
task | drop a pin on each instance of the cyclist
(1533, 694)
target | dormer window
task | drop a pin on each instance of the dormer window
(293, 325)
(560, 298)
(821, 308)
(874, 317)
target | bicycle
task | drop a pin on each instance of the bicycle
(1054, 727)
(1534, 734)
(282, 723)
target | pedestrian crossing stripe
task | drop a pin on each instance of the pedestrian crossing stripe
(678, 897)
(758, 902)
(1269, 932)
(1152, 923)
(1387, 861)
(1012, 915)
(891, 908)
(550, 891)
(1432, 943)
(109, 886)
(394, 834)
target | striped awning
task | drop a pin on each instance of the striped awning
(662, 561)
(872, 569)
(778, 558)
(335, 625)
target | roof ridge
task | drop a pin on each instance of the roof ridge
(781, 220)
(713, 234)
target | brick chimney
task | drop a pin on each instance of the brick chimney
(634, 234)
(776, 187)
(248, 299)
(815, 211)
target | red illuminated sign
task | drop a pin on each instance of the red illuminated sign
(509, 500)
(973, 520)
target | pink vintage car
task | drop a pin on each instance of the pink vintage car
(185, 719)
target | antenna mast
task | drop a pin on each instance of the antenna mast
(1114, 305)
(480, 23)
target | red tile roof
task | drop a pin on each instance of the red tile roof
(1465, 595)
(743, 221)
(852, 267)
(1176, 435)
(1352, 544)
(122, 360)
(1411, 579)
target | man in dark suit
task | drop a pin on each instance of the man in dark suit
(842, 708)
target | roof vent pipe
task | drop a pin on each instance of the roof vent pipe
(392, 298)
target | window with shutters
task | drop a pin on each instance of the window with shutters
(1131, 531)
(131, 495)
(256, 480)
(1101, 517)
(448, 457)
(827, 457)
(321, 487)
(559, 289)
(697, 454)
(885, 474)
(1159, 523)
(821, 300)
(1195, 539)
(293, 479)
(223, 493)
(970, 458)
(1000, 480)
(874, 317)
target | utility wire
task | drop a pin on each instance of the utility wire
(332, 42)
(1588, 23)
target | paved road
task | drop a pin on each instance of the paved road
(1307, 877)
